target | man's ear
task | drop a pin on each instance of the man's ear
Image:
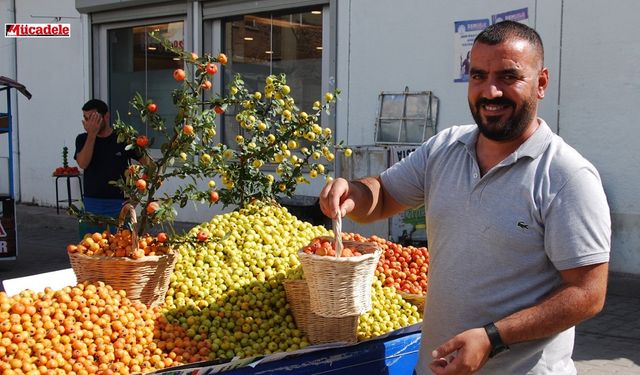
(543, 82)
(106, 118)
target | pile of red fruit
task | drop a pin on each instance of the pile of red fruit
(66, 171)
(403, 267)
(325, 246)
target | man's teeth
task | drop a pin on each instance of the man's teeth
(490, 107)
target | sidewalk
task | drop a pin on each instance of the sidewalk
(606, 344)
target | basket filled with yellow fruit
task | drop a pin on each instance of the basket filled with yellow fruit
(140, 266)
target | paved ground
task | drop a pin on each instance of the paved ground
(606, 344)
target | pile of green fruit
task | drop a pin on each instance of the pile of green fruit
(227, 286)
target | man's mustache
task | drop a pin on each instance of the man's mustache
(497, 101)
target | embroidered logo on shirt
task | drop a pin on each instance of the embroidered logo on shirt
(118, 153)
(523, 225)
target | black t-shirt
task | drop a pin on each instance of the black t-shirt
(108, 163)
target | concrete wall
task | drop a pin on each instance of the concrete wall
(599, 109)
(55, 71)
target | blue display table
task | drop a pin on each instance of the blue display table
(396, 354)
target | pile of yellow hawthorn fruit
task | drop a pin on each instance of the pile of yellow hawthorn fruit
(226, 300)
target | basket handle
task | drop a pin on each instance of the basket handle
(129, 209)
(337, 230)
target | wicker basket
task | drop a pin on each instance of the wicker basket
(145, 279)
(319, 329)
(417, 300)
(340, 286)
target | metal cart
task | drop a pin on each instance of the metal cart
(8, 229)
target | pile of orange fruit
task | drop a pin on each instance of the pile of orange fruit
(405, 268)
(325, 246)
(88, 329)
(120, 245)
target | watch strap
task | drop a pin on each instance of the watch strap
(497, 345)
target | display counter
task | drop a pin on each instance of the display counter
(393, 354)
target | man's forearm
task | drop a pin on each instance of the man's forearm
(372, 201)
(364, 193)
(83, 158)
(567, 306)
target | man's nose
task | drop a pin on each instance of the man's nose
(492, 90)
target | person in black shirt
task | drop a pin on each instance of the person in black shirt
(103, 159)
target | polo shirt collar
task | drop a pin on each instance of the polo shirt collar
(532, 147)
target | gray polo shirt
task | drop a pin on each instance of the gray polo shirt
(497, 242)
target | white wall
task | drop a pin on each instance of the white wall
(591, 50)
(53, 70)
(600, 109)
(382, 48)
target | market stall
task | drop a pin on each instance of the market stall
(255, 289)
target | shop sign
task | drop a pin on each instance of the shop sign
(37, 30)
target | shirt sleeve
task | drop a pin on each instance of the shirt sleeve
(405, 180)
(578, 223)
(80, 140)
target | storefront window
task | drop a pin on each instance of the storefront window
(138, 64)
(272, 43)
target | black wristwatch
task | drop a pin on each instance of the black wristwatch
(497, 346)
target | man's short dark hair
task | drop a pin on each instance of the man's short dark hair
(508, 30)
(97, 104)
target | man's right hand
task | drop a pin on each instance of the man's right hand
(92, 124)
(335, 197)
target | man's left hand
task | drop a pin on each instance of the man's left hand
(466, 353)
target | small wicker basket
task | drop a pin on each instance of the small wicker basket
(145, 279)
(319, 329)
(417, 300)
(340, 286)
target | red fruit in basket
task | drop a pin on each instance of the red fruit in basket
(346, 252)
(321, 251)
(162, 237)
(137, 254)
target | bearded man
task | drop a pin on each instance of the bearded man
(517, 220)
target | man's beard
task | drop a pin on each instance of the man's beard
(494, 128)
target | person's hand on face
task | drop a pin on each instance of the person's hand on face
(92, 123)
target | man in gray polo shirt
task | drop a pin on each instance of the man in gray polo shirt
(517, 220)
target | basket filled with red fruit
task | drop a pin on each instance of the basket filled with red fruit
(339, 274)
(140, 266)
